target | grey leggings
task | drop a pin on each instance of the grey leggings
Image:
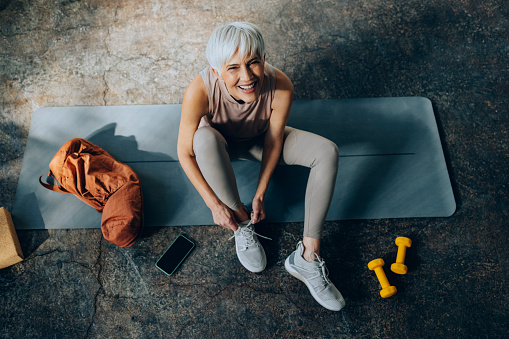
(302, 148)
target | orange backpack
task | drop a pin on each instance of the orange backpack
(109, 186)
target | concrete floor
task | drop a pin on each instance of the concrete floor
(73, 284)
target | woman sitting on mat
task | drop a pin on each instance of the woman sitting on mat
(238, 107)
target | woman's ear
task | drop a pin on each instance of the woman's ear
(216, 73)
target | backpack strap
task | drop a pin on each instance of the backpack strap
(56, 188)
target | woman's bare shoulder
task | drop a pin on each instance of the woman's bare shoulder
(283, 95)
(196, 87)
(283, 82)
(196, 97)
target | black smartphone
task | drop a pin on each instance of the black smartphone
(175, 255)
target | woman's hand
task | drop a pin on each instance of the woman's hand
(223, 216)
(258, 212)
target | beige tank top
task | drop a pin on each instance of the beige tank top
(235, 120)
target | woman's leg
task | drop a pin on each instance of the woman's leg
(211, 150)
(321, 156)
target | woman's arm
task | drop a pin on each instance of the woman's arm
(283, 98)
(194, 107)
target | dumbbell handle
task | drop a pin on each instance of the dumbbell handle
(382, 278)
(400, 258)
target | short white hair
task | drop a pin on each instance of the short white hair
(226, 39)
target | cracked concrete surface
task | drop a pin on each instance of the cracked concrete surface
(73, 284)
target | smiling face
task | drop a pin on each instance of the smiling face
(243, 77)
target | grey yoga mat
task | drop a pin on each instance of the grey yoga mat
(391, 163)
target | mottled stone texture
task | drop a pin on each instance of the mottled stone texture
(73, 284)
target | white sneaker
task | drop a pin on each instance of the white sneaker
(315, 276)
(249, 250)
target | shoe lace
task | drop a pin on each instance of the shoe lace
(321, 272)
(248, 233)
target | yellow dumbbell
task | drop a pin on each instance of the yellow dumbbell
(387, 289)
(402, 244)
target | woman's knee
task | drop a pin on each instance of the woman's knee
(308, 149)
(328, 152)
(205, 138)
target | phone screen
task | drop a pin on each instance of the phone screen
(175, 254)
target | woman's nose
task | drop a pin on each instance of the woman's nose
(245, 73)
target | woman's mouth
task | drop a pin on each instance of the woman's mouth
(250, 88)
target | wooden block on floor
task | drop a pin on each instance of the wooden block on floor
(10, 250)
